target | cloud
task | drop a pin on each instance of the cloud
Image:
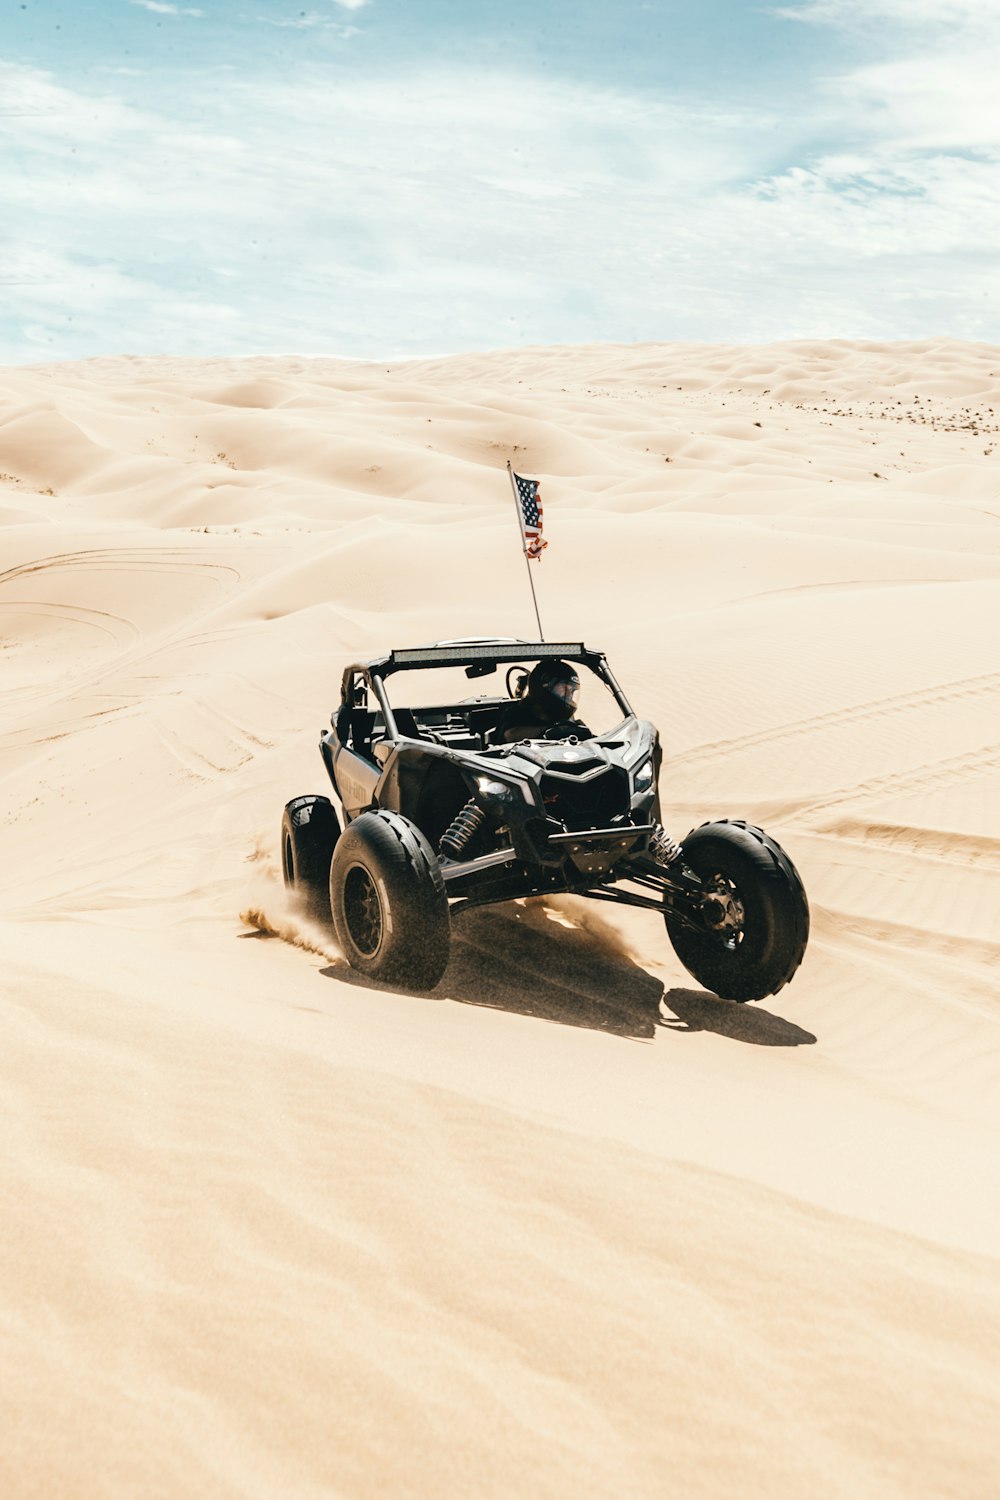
(164, 8)
(50, 112)
(426, 211)
(929, 79)
(310, 20)
(913, 14)
(910, 106)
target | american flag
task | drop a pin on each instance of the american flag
(531, 516)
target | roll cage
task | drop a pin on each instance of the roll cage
(480, 657)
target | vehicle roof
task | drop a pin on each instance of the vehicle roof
(462, 653)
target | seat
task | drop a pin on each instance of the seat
(482, 721)
(362, 724)
(407, 724)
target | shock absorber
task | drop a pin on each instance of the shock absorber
(664, 849)
(462, 830)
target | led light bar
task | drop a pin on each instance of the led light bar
(458, 656)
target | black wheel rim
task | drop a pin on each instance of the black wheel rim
(363, 911)
(288, 860)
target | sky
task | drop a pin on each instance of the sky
(391, 178)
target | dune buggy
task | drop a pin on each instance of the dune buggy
(435, 817)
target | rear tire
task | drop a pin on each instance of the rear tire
(762, 909)
(390, 909)
(309, 834)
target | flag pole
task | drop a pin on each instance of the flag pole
(524, 549)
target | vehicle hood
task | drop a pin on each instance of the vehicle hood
(626, 745)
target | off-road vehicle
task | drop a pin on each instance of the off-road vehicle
(432, 818)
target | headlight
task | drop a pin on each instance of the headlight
(502, 791)
(490, 788)
(642, 776)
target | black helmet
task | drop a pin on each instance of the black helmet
(554, 690)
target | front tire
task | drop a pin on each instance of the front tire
(755, 912)
(309, 834)
(390, 909)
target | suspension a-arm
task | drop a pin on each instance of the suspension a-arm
(677, 893)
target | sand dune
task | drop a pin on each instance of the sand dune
(569, 1225)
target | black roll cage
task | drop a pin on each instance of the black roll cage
(479, 657)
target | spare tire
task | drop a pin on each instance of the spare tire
(390, 908)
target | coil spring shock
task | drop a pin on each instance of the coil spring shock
(462, 830)
(664, 849)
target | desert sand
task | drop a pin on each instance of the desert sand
(568, 1226)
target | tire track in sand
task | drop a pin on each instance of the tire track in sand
(951, 769)
(131, 642)
(118, 559)
(967, 850)
(945, 693)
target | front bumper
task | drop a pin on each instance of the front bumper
(547, 855)
(598, 850)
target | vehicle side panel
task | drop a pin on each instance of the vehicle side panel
(355, 778)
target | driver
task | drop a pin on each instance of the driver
(546, 707)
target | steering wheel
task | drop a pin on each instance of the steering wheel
(524, 677)
(560, 732)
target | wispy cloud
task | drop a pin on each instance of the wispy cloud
(930, 83)
(311, 20)
(908, 13)
(164, 8)
(425, 210)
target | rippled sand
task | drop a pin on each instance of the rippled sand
(569, 1226)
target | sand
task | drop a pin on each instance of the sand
(567, 1226)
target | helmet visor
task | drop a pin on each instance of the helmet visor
(567, 690)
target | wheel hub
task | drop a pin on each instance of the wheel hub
(722, 910)
(363, 911)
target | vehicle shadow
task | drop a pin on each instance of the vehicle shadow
(523, 961)
(697, 1010)
(534, 960)
(531, 961)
